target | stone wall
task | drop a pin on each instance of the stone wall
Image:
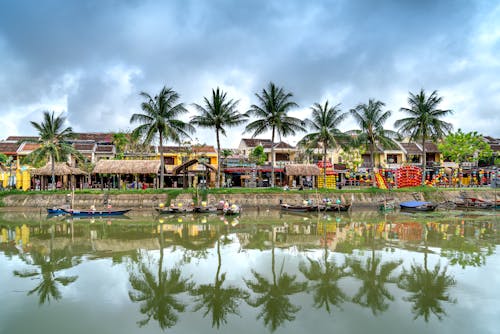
(144, 201)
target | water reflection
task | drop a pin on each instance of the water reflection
(332, 263)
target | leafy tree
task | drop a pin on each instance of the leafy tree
(274, 295)
(258, 156)
(217, 299)
(352, 157)
(465, 147)
(53, 140)
(424, 121)
(49, 269)
(158, 295)
(160, 118)
(272, 115)
(219, 112)
(371, 119)
(3, 159)
(323, 123)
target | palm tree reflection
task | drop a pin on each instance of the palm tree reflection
(158, 295)
(373, 275)
(274, 296)
(48, 267)
(218, 300)
(428, 288)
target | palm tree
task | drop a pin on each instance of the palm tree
(325, 276)
(49, 265)
(373, 275)
(218, 300)
(272, 115)
(157, 295)
(428, 288)
(324, 123)
(218, 113)
(371, 119)
(274, 295)
(424, 121)
(53, 140)
(160, 118)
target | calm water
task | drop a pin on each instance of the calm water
(261, 272)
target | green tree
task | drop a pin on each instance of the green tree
(373, 275)
(274, 295)
(424, 121)
(272, 115)
(427, 288)
(3, 159)
(371, 120)
(219, 300)
(53, 140)
(160, 118)
(218, 113)
(158, 295)
(465, 147)
(325, 275)
(257, 155)
(324, 124)
(48, 269)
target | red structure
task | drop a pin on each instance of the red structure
(408, 176)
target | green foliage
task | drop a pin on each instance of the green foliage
(465, 147)
(258, 156)
(3, 158)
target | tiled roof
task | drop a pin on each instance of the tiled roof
(431, 148)
(411, 148)
(97, 137)
(9, 147)
(180, 149)
(22, 138)
(83, 146)
(104, 148)
(266, 143)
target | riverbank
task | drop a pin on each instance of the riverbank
(246, 198)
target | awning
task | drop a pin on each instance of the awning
(127, 167)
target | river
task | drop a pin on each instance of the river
(262, 271)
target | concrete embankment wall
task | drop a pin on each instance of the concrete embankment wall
(145, 201)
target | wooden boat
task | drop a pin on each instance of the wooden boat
(173, 210)
(96, 213)
(336, 207)
(417, 206)
(205, 209)
(55, 211)
(297, 208)
(232, 210)
(473, 203)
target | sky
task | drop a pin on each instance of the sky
(88, 60)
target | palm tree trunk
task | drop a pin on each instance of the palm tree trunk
(372, 158)
(217, 182)
(52, 169)
(324, 165)
(424, 159)
(162, 161)
(272, 158)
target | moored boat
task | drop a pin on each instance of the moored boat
(56, 211)
(417, 206)
(96, 213)
(297, 208)
(337, 207)
(232, 210)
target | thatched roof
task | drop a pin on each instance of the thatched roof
(127, 167)
(302, 170)
(60, 168)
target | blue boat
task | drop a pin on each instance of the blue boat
(96, 213)
(417, 206)
(56, 211)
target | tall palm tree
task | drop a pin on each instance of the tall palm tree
(219, 112)
(53, 140)
(157, 295)
(373, 275)
(48, 267)
(371, 119)
(160, 118)
(428, 288)
(325, 276)
(324, 122)
(272, 115)
(424, 121)
(274, 296)
(217, 299)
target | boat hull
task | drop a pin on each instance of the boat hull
(96, 213)
(417, 206)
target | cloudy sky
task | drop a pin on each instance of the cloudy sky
(90, 59)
